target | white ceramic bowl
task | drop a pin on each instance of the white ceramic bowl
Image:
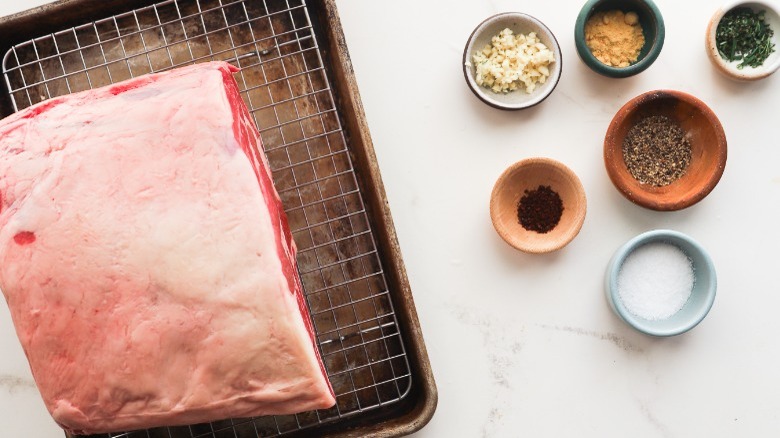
(730, 69)
(693, 311)
(518, 23)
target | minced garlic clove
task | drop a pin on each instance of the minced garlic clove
(511, 60)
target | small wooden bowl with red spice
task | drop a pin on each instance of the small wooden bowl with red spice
(538, 205)
(665, 150)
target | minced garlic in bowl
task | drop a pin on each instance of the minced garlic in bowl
(512, 61)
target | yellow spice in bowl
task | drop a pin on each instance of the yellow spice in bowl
(615, 38)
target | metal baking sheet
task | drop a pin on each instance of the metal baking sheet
(328, 181)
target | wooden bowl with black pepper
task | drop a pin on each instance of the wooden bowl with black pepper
(665, 150)
(538, 205)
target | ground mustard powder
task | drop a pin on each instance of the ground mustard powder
(614, 37)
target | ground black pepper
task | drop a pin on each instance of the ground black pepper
(656, 151)
(540, 209)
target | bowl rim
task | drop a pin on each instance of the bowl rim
(727, 68)
(478, 91)
(651, 236)
(617, 72)
(577, 225)
(646, 199)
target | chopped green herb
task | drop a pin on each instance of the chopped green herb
(743, 35)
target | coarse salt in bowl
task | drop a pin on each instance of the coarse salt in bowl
(661, 318)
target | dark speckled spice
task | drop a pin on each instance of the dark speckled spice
(656, 151)
(540, 209)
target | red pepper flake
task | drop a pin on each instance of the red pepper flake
(540, 209)
(24, 238)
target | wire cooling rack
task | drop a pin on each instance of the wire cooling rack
(284, 83)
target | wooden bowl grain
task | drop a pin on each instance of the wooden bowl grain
(708, 150)
(529, 174)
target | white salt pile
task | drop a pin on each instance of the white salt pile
(655, 281)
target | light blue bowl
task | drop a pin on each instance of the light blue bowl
(697, 306)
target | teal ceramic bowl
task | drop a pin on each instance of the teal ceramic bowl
(698, 304)
(652, 25)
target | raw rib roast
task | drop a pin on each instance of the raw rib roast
(147, 261)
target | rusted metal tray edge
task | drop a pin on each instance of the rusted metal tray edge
(420, 404)
(360, 140)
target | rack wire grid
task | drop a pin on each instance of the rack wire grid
(283, 81)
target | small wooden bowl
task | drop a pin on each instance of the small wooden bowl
(529, 174)
(708, 150)
(729, 69)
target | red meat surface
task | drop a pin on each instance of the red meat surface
(147, 261)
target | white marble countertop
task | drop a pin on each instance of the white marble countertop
(525, 345)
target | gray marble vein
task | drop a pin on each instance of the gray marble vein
(620, 342)
(11, 383)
